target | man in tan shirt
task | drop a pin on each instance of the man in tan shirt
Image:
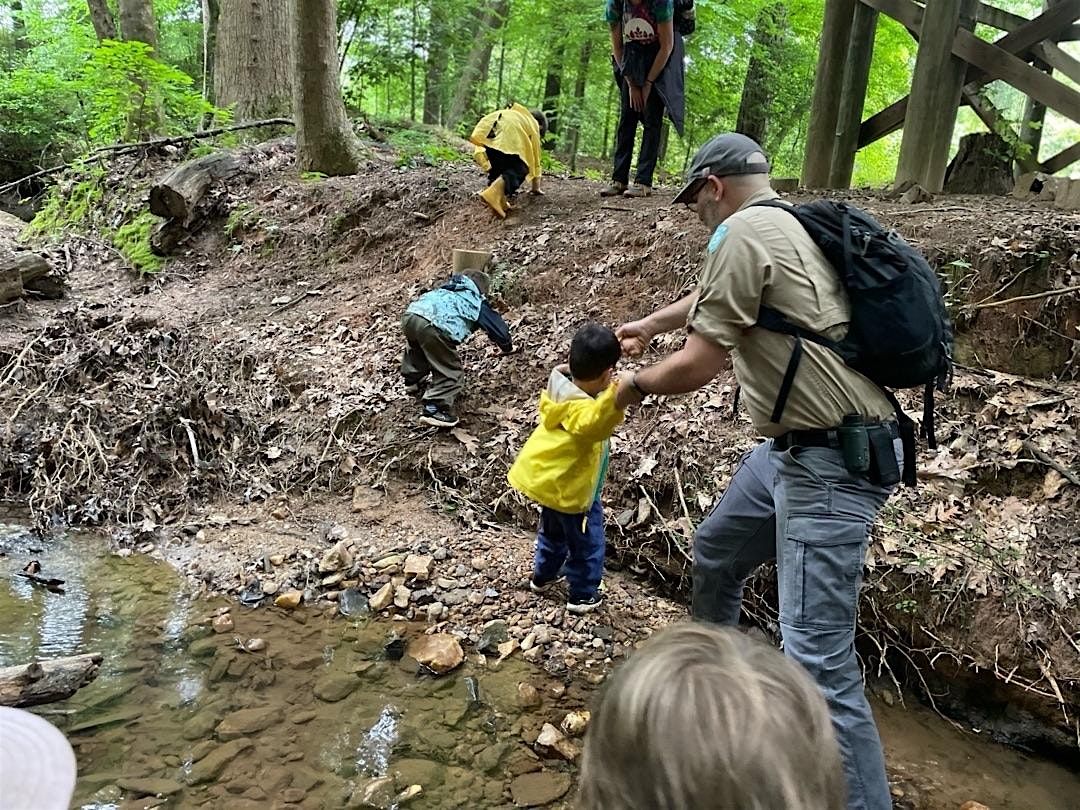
(792, 498)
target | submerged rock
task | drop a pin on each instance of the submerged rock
(223, 623)
(150, 787)
(375, 794)
(538, 789)
(439, 653)
(248, 721)
(336, 686)
(210, 767)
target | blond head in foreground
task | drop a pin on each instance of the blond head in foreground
(705, 717)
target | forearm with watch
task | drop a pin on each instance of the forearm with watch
(688, 369)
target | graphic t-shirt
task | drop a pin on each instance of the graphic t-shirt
(639, 20)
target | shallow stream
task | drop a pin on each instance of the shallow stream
(323, 710)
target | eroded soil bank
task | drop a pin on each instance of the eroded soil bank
(254, 380)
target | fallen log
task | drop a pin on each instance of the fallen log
(177, 194)
(47, 681)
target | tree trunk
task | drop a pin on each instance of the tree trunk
(553, 86)
(766, 57)
(211, 13)
(137, 22)
(251, 59)
(324, 138)
(983, 165)
(438, 58)
(574, 135)
(102, 18)
(488, 23)
(47, 681)
(18, 26)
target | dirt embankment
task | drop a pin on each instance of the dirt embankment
(263, 362)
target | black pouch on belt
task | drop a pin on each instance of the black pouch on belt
(884, 471)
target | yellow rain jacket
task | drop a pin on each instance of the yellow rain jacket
(563, 463)
(512, 131)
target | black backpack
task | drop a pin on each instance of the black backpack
(900, 335)
(685, 17)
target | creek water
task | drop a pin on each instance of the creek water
(323, 711)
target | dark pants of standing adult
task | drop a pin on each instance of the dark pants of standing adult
(577, 541)
(803, 508)
(510, 168)
(429, 350)
(651, 119)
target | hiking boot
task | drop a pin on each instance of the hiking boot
(544, 587)
(579, 607)
(436, 417)
(495, 196)
(616, 189)
(638, 190)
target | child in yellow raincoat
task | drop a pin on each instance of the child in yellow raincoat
(563, 465)
(507, 145)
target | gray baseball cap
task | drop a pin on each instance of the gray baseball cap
(724, 155)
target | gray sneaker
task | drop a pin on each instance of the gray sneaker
(436, 417)
(638, 190)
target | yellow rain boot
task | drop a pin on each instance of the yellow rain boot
(495, 196)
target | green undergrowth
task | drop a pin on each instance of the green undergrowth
(78, 204)
(421, 144)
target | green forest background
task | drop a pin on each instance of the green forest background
(63, 90)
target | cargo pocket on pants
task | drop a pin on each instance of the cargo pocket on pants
(820, 568)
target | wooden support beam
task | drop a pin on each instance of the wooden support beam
(853, 95)
(1007, 21)
(999, 64)
(828, 83)
(936, 88)
(1061, 160)
(1053, 55)
(1024, 38)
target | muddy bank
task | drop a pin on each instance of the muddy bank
(261, 365)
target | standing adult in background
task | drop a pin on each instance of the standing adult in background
(647, 56)
(792, 498)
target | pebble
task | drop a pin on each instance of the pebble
(478, 563)
(435, 611)
(439, 653)
(440, 554)
(382, 598)
(447, 584)
(269, 587)
(538, 789)
(289, 600)
(255, 645)
(223, 623)
(528, 642)
(528, 695)
(401, 596)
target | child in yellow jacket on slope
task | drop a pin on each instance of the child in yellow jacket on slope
(507, 145)
(563, 465)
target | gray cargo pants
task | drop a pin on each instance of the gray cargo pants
(803, 508)
(429, 350)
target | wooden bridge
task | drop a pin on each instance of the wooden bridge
(952, 68)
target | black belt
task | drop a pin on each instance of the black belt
(825, 438)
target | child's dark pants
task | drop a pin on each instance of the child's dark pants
(510, 168)
(577, 541)
(429, 350)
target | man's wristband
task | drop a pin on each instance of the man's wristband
(641, 392)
